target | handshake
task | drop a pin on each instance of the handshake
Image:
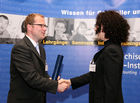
(63, 85)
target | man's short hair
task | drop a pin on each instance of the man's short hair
(30, 20)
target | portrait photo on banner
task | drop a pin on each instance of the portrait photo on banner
(83, 30)
(60, 29)
(134, 29)
(10, 28)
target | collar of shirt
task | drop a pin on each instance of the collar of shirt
(33, 42)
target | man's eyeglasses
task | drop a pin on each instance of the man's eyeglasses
(41, 25)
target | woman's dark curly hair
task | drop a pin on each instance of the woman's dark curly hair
(114, 25)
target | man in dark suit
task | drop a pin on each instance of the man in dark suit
(105, 74)
(28, 79)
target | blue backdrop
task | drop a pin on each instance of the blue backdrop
(76, 58)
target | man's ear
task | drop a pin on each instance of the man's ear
(29, 27)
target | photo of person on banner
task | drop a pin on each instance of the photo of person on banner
(105, 69)
(134, 30)
(4, 34)
(60, 30)
(79, 34)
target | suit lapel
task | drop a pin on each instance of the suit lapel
(42, 53)
(28, 42)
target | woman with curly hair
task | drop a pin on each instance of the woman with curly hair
(105, 76)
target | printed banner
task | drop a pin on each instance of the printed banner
(69, 22)
(70, 33)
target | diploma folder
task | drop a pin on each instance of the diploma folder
(57, 68)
